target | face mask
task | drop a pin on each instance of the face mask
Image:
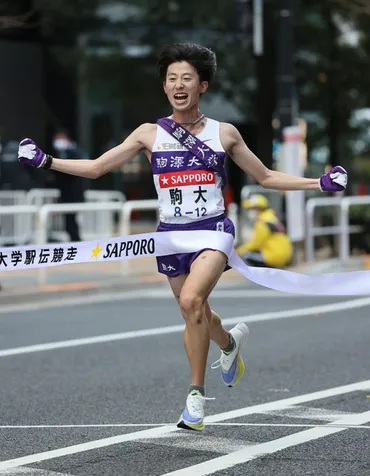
(252, 215)
(61, 144)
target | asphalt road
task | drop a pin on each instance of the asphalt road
(76, 403)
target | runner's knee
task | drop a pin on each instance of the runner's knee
(192, 307)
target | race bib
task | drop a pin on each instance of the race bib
(187, 193)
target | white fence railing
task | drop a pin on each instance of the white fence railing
(312, 230)
(125, 228)
(44, 196)
(21, 229)
(13, 225)
(13, 230)
(46, 211)
(50, 210)
(346, 203)
(341, 215)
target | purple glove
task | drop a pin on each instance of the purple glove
(334, 181)
(29, 153)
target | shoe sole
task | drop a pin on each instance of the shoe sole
(190, 426)
(240, 368)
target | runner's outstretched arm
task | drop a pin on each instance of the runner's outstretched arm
(334, 181)
(30, 154)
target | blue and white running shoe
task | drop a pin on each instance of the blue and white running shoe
(232, 365)
(193, 415)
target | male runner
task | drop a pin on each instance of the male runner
(191, 201)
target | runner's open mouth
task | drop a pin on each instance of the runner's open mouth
(180, 96)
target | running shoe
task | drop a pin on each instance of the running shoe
(232, 365)
(193, 415)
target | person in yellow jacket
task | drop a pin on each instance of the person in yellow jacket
(269, 245)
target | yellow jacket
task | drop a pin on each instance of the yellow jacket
(269, 238)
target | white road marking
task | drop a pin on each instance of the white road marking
(150, 425)
(310, 413)
(247, 454)
(141, 294)
(80, 448)
(267, 316)
(156, 432)
(199, 442)
(132, 295)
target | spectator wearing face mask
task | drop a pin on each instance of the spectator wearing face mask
(71, 187)
(269, 245)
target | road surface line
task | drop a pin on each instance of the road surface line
(102, 298)
(252, 452)
(267, 316)
(155, 432)
(150, 425)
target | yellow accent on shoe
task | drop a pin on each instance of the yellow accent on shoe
(190, 426)
(240, 372)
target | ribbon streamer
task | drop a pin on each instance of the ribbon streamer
(172, 242)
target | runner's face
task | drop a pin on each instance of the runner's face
(182, 86)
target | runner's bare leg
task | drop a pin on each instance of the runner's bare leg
(204, 274)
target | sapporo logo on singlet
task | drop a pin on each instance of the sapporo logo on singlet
(181, 179)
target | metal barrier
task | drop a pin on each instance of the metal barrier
(344, 249)
(311, 230)
(342, 230)
(53, 209)
(104, 196)
(100, 221)
(44, 196)
(14, 229)
(46, 210)
(91, 222)
(125, 228)
(12, 197)
(20, 214)
(129, 207)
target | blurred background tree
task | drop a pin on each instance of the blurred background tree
(333, 54)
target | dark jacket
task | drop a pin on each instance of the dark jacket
(71, 187)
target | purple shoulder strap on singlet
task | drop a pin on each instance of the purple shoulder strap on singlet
(205, 154)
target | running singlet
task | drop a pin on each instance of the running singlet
(186, 190)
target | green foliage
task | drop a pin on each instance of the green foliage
(332, 71)
(63, 20)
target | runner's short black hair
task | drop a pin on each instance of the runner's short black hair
(201, 58)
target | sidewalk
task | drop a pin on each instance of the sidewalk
(90, 278)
